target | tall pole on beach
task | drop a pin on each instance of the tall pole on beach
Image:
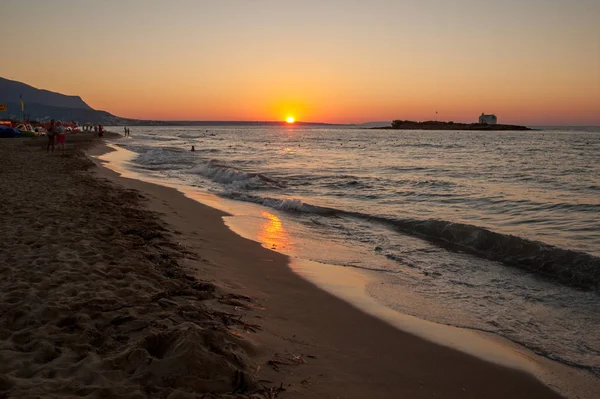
(22, 107)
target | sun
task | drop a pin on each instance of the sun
(290, 119)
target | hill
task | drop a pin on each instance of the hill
(47, 112)
(45, 104)
(11, 90)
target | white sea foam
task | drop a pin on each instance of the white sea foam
(162, 159)
(231, 178)
(430, 201)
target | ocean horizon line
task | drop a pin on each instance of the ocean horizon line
(307, 123)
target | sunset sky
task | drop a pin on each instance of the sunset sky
(528, 61)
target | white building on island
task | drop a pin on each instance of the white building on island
(488, 119)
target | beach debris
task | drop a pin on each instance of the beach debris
(239, 382)
(269, 392)
(291, 360)
(230, 319)
(234, 300)
(203, 286)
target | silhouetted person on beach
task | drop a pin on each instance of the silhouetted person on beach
(50, 133)
(61, 137)
(193, 149)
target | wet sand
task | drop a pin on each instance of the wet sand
(114, 287)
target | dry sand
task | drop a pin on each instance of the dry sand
(92, 300)
(102, 297)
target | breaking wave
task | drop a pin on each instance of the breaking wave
(568, 267)
(233, 178)
(286, 205)
(161, 158)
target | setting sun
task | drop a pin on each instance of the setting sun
(290, 119)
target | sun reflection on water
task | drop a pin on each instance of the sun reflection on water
(272, 234)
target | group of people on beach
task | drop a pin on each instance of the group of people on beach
(56, 133)
(127, 132)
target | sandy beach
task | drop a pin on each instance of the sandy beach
(114, 287)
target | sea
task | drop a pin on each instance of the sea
(490, 231)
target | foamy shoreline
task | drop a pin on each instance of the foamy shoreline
(438, 244)
(486, 346)
(98, 299)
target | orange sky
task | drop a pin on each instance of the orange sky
(531, 62)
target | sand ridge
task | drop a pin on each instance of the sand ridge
(93, 302)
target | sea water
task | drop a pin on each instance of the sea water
(492, 231)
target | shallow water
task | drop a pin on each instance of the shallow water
(485, 230)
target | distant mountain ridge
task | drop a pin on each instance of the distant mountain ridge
(11, 90)
(44, 104)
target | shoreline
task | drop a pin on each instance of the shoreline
(115, 287)
(522, 353)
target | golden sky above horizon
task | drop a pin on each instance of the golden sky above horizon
(533, 62)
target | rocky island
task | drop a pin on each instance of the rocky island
(435, 125)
